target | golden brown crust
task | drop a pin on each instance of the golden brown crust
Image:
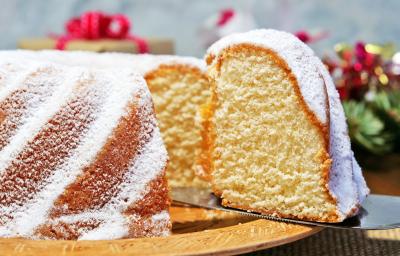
(323, 129)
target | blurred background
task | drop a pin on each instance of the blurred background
(368, 20)
(358, 40)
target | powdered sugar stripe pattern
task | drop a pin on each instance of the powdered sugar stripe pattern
(111, 175)
(71, 127)
(141, 172)
(112, 96)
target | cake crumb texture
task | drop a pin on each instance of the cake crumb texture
(178, 93)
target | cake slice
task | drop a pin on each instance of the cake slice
(275, 136)
(81, 156)
(178, 86)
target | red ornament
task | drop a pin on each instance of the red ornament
(357, 67)
(360, 51)
(306, 37)
(343, 93)
(225, 16)
(303, 36)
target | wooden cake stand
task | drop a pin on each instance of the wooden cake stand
(195, 232)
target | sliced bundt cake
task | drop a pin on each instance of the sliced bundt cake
(81, 156)
(275, 136)
(178, 86)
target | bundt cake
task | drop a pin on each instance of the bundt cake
(275, 136)
(178, 86)
(81, 156)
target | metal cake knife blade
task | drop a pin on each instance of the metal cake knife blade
(377, 211)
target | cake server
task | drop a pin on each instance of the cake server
(377, 211)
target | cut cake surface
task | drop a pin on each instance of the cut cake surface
(275, 135)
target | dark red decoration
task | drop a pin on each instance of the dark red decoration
(225, 16)
(306, 37)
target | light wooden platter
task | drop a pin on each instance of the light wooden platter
(195, 232)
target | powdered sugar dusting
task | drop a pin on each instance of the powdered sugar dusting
(358, 178)
(348, 186)
(162, 219)
(341, 181)
(13, 75)
(115, 90)
(299, 58)
(142, 63)
(114, 226)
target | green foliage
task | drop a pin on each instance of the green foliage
(366, 129)
(388, 105)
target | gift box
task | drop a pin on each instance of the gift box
(155, 45)
(99, 32)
